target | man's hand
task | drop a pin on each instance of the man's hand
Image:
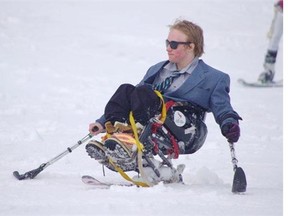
(231, 131)
(95, 128)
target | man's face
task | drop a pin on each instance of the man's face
(180, 53)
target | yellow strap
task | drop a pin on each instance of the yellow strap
(164, 111)
(139, 155)
(134, 128)
(133, 124)
(140, 148)
(125, 176)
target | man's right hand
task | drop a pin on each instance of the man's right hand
(95, 128)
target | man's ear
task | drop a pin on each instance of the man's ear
(192, 46)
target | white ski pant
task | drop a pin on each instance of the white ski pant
(276, 31)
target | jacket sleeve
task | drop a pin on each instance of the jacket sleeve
(101, 120)
(220, 102)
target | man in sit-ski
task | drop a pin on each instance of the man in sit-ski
(164, 114)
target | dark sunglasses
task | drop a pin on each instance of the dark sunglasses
(174, 44)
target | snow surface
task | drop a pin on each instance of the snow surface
(60, 61)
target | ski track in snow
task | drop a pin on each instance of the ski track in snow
(60, 61)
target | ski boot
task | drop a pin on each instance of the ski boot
(96, 150)
(269, 67)
(120, 148)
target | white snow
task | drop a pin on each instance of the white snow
(60, 61)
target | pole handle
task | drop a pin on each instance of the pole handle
(95, 128)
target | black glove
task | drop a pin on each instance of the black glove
(231, 131)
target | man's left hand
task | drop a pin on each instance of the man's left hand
(231, 131)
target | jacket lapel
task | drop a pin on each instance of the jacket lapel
(151, 77)
(196, 77)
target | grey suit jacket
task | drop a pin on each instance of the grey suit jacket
(206, 87)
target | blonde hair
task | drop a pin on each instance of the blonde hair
(193, 32)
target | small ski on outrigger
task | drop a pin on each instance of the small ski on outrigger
(239, 184)
(89, 180)
(278, 83)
